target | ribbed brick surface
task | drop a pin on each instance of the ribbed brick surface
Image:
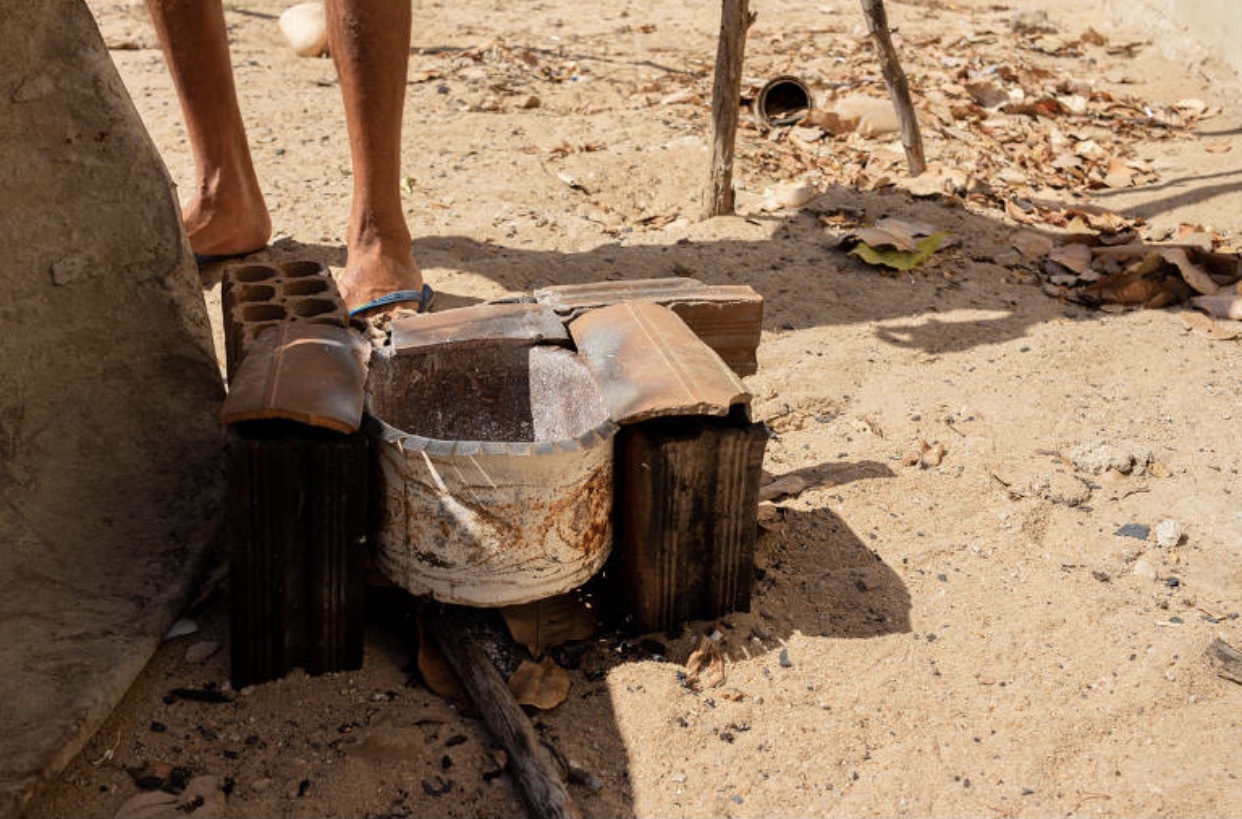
(297, 519)
(257, 296)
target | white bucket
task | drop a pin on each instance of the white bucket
(495, 472)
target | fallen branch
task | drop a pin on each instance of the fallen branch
(534, 768)
(1228, 658)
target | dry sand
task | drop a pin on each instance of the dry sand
(971, 638)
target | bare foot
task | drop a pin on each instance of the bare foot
(219, 225)
(376, 269)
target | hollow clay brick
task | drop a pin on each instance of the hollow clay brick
(259, 295)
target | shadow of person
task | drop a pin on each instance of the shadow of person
(955, 302)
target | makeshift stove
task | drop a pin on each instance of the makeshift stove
(490, 455)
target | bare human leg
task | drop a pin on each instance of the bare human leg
(370, 43)
(226, 215)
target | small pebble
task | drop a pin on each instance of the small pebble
(1168, 534)
(201, 651)
(1144, 569)
(181, 628)
(1138, 531)
(784, 659)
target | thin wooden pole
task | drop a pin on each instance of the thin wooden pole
(735, 19)
(534, 769)
(898, 88)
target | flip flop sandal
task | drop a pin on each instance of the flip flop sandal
(423, 298)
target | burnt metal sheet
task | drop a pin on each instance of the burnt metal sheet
(311, 373)
(572, 299)
(729, 318)
(482, 324)
(651, 364)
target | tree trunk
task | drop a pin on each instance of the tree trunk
(735, 19)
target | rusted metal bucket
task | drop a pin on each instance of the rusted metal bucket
(495, 472)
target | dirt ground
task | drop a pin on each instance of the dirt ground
(994, 629)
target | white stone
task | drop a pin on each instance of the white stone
(1169, 533)
(305, 27)
(1143, 568)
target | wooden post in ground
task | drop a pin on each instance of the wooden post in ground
(898, 88)
(735, 19)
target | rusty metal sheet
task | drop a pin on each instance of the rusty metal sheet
(729, 318)
(651, 364)
(571, 299)
(311, 373)
(516, 324)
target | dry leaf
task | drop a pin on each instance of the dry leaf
(1191, 274)
(1211, 328)
(869, 116)
(543, 685)
(1220, 306)
(435, 670)
(927, 455)
(1093, 37)
(987, 94)
(1126, 288)
(789, 196)
(880, 238)
(1075, 257)
(548, 623)
(905, 227)
(898, 258)
(830, 121)
(1031, 244)
(1119, 174)
(705, 668)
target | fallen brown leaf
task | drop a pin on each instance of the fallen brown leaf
(1209, 327)
(705, 668)
(435, 670)
(548, 623)
(543, 685)
(1228, 306)
(1075, 257)
(1031, 244)
(1191, 274)
(927, 455)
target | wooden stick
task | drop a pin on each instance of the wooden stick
(1228, 658)
(537, 774)
(898, 88)
(735, 19)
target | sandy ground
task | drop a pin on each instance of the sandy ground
(974, 637)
